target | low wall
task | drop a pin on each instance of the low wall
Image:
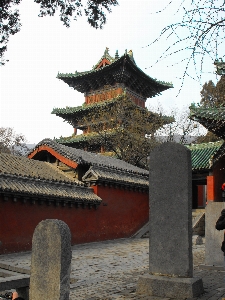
(120, 215)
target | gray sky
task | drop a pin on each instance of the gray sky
(29, 89)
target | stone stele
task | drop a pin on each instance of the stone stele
(50, 261)
(170, 225)
(213, 238)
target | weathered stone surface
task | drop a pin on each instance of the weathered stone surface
(170, 226)
(197, 240)
(213, 238)
(170, 230)
(50, 261)
(163, 286)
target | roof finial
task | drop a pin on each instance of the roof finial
(117, 55)
(130, 53)
(106, 51)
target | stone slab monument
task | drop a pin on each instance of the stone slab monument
(214, 258)
(50, 261)
(170, 226)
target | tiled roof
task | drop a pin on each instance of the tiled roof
(84, 108)
(28, 187)
(22, 166)
(211, 113)
(125, 56)
(212, 118)
(92, 137)
(114, 73)
(106, 174)
(23, 177)
(74, 114)
(202, 154)
(92, 159)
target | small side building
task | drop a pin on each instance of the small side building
(208, 172)
(213, 118)
(122, 187)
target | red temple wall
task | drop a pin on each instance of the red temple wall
(219, 179)
(110, 94)
(215, 181)
(120, 215)
(105, 95)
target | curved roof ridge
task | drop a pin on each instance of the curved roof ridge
(118, 170)
(89, 158)
(125, 56)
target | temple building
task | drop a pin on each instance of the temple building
(209, 167)
(212, 118)
(103, 87)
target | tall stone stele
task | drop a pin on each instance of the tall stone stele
(170, 229)
(50, 261)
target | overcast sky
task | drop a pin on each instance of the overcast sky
(29, 89)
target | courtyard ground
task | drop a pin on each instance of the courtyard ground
(110, 270)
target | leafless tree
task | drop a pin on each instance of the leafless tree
(198, 35)
(183, 130)
(11, 142)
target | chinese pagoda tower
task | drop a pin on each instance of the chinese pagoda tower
(108, 80)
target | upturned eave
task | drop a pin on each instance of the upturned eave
(122, 70)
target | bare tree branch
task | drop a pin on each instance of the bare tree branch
(199, 34)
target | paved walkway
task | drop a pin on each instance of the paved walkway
(110, 270)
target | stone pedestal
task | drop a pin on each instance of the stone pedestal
(170, 287)
(170, 225)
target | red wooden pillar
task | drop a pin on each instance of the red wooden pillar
(200, 195)
(210, 188)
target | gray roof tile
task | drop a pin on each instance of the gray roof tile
(25, 177)
(92, 159)
(115, 176)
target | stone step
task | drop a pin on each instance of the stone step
(198, 225)
(23, 270)
(6, 273)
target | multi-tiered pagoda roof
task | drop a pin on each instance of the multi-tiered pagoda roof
(103, 86)
(111, 71)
